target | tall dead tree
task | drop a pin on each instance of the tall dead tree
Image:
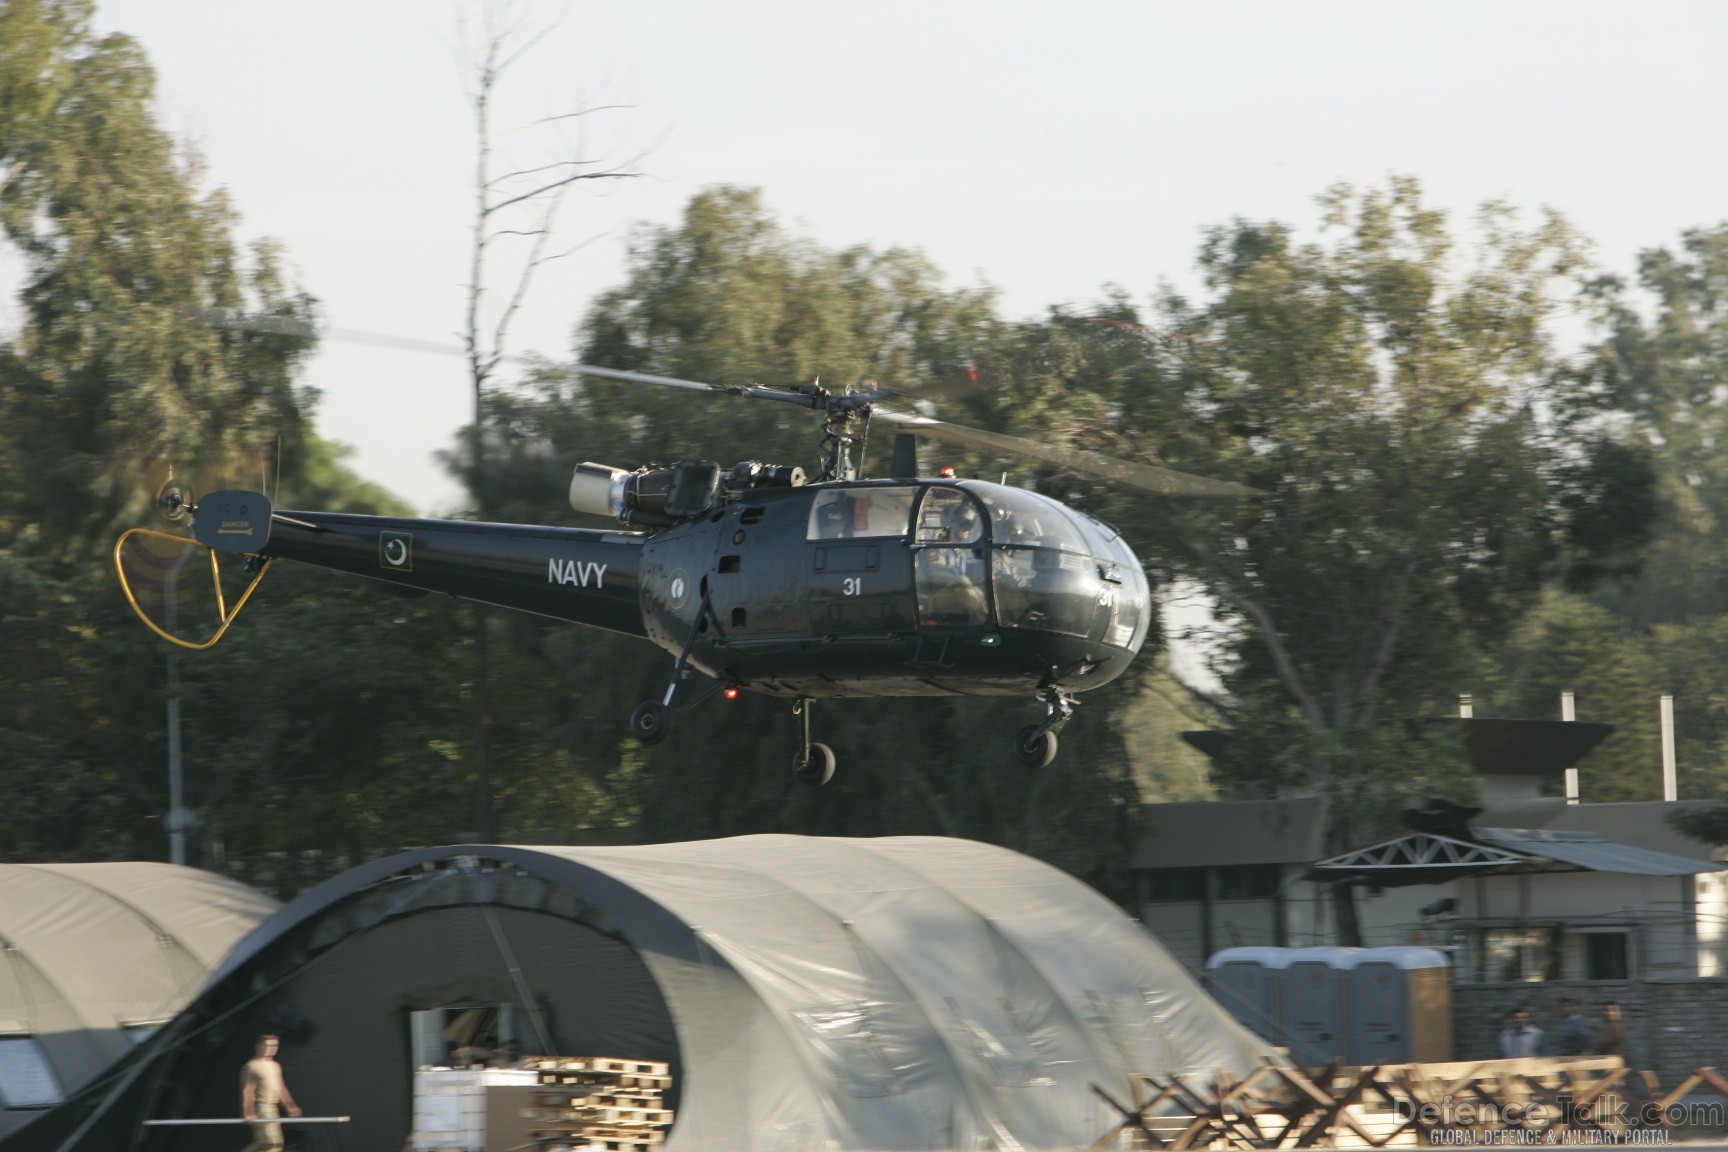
(522, 176)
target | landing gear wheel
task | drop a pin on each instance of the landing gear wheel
(1034, 749)
(814, 767)
(651, 722)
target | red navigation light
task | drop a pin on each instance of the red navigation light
(731, 691)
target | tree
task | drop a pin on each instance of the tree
(116, 373)
(149, 339)
(1672, 369)
(1429, 464)
(519, 204)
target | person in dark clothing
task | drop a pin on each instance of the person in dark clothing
(1573, 1036)
(1611, 1037)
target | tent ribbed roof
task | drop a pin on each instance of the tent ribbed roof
(901, 992)
(124, 942)
(87, 950)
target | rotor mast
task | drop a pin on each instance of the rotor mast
(846, 420)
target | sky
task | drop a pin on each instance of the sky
(1047, 149)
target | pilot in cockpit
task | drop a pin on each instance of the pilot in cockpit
(954, 566)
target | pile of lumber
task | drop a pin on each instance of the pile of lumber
(599, 1102)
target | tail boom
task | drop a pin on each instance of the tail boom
(583, 575)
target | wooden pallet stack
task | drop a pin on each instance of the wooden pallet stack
(599, 1102)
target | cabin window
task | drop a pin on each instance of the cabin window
(856, 513)
(948, 516)
(951, 568)
(1046, 590)
(26, 1078)
(1027, 520)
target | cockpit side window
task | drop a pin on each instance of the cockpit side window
(948, 516)
(1019, 519)
(860, 513)
(951, 569)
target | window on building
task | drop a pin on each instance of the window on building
(26, 1079)
(1605, 956)
(1511, 954)
(1248, 882)
(1173, 885)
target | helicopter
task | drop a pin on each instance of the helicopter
(758, 576)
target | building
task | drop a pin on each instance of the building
(1530, 887)
(1531, 896)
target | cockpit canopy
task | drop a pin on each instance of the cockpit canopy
(986, 554)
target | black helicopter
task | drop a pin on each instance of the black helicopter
(760, 580)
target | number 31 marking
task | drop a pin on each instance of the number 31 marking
(852, 586)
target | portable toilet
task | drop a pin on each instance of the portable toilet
(1248, 982)
(1401, 1006)
(1316, 1004)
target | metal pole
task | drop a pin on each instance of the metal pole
(176, 820)
(1568, 714)
(241, 1120)
(1670, 775)
(176, 793)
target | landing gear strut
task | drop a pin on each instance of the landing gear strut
(814, 764)
(651, 722)
(1035, 744)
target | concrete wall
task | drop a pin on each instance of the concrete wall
(1672, 1027)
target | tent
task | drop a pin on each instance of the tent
(904, 992)
(96, 957)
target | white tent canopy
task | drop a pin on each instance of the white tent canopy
(904, 993)
(94, 957)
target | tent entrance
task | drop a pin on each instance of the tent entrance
(460, 1036)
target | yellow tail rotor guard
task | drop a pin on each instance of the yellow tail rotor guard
(225, 616)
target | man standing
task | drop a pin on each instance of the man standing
(1611, 1040)
(1573, 1037)
(1522, 1038)
(263, 1095)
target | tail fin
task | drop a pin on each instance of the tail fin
(233, 521)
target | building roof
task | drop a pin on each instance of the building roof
(1429, 858)
(1210, 833)
(1643, 824)
(1506, 747)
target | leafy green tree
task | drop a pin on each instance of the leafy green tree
(148, 339)
(1672, 366)
(118, 371)
(1429, 463)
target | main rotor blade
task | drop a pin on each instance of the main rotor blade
(639, 377)
(1148, 477)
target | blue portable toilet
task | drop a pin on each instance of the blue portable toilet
(1249, 984)
(1317, 1002)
